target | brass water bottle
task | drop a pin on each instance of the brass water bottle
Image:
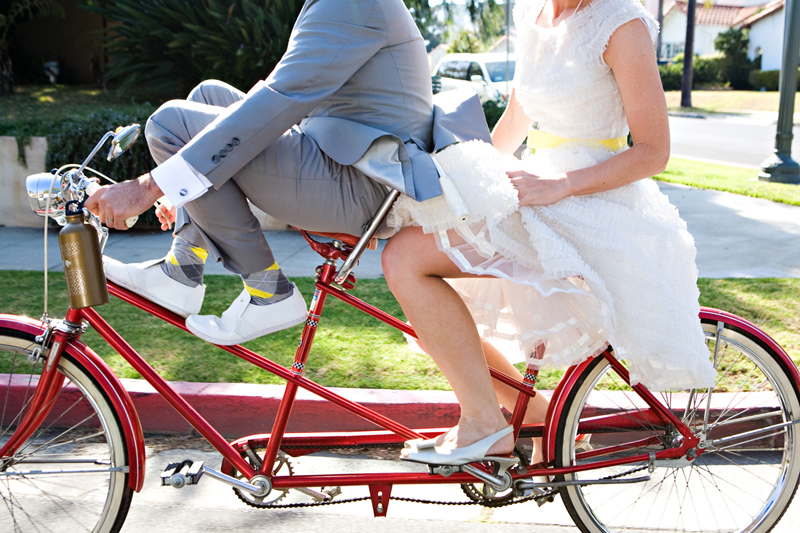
(83, 264)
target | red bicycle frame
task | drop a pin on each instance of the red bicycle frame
(300, 444)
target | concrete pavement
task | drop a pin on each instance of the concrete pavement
(736, 236)
(211, 506)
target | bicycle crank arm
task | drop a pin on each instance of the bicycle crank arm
(318, 496)
(260, 487)
(531, 485)
(500, 483)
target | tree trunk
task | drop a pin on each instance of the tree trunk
(6, 71)
(660, 24)
(688, 57)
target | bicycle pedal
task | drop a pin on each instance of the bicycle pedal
(444, 470)
(178, 475)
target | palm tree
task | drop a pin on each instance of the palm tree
(688, 57)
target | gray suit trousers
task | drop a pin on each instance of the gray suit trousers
(292, 180)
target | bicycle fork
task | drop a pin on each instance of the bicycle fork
(52, 343)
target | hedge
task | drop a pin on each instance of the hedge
(72, 140)
(768, 79)
(707, 73)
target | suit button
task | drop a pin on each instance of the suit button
(216, 159)
(235, 141)
(229, 147)
(223, 153)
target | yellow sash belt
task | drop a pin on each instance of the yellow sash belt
(541, 139)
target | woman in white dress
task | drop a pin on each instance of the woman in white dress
(571, 250)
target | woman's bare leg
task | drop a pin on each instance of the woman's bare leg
(537, 406)
(414, 268)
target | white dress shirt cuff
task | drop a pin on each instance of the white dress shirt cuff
(179, 181)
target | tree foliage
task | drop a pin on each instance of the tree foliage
(736, 66)
(171, 45)
(465, 42)
(487, 15)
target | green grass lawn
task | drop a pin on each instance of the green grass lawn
(350, 349)
(723, 101)
(728, 178)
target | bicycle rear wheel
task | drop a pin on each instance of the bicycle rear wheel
(72, 473)
(743, 484)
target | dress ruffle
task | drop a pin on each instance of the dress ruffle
(615, 267)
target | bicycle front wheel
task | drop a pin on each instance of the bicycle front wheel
(72, 473)
(742, 484)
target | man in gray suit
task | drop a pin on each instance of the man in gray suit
(350, 97)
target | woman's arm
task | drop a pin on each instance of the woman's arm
(631, 57)
(512, 128)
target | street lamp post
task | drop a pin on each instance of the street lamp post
(780, 167)
(508, 47)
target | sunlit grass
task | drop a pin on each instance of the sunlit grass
(728, 178)
(350, 349)
(722, 101)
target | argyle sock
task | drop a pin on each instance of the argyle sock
(268, 286)
(184, 263)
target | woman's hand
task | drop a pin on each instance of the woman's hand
(539, 190)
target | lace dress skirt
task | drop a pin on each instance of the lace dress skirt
(616, 267)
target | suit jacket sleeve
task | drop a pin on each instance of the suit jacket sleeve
(330, 42)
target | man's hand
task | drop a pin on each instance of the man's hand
(114, 204)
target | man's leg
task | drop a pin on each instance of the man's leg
(295, 182)
(291, 180)
(169, 129)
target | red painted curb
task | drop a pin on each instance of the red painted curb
(239, 409)
(245, 409)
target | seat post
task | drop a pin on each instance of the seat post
(374, 224)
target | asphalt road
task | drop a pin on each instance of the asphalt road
(732, 139)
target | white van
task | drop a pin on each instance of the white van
(484, 73)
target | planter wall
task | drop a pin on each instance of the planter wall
(14, 207)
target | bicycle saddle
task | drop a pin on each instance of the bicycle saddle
(346, 238)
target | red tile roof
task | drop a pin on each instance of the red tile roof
(764, 11)
(715, 15)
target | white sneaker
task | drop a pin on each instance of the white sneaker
(148, 280)
(243, 321)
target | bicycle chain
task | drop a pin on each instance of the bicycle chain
(485, 502)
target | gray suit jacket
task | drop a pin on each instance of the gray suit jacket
(355, 71)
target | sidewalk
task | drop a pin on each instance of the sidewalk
(736, 236)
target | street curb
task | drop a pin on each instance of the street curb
(236, 409)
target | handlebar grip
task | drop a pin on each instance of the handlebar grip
(92, 188)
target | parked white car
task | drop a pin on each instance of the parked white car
(484, 73)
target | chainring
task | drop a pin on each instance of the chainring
(484, 494)
(276, 495)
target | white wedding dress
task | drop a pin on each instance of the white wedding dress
(615, 267)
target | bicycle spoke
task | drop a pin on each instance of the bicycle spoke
(741, 486)
(71, 472)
